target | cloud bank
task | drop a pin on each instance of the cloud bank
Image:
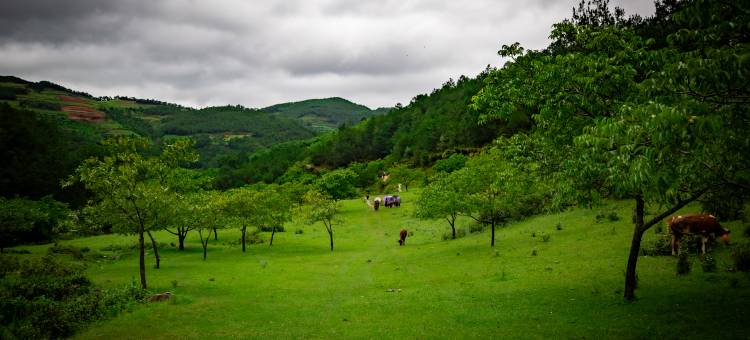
(260, 53)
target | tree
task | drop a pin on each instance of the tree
(322, 208)
(442, 199)
(244, 204)
(620, 116)
(130, 188)
(208, 212)
(277, 208)
(338, 184)
(402, 174)
(495, 190)
(23, 220)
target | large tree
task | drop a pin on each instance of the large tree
(322, 208)
(442, 199)
(620, 115)
(130, 188)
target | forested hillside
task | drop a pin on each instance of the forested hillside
(430, 128)
(324, 115)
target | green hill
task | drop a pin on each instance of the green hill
(220, 131)
(323, 115)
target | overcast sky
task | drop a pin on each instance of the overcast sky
(259, 53)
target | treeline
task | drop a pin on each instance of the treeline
(38, 152)
(431, 127)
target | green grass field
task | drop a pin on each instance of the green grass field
(369, 287)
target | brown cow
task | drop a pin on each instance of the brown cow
(705, 225)
(402, 235)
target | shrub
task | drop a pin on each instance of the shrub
(533, 252)
(609, 214)
(269, 229)
(66, 249)
(254, 237)
(120, 248)
(476, 228)
(708, 263)
(47, 298)
(558, 226)
(299, 231)
(545, 237)
(741, 257)
(683, 262)
(661, 246)
(18, 251)
(449, 234)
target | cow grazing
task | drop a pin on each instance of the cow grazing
(705, 225)
(402, 237)
(160, 297)
(376, 203)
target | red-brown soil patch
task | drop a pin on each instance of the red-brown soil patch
(84, 114)
(70, 99)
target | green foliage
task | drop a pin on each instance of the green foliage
(37, 154)
(683, 263)
(450, 164)
(741, 257)
(46, 298)
(418, 133)
(321, 208)
(620, 112)
(266, 165)
(24, 221)
(136, 193)
(338, 184)
(324, 115)
(708, 263)
(443, 198)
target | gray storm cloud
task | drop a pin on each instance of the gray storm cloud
(259, 53)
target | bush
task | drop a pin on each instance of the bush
(545, 237)
(558, 226)
(459, 234)
(476, 228)
(47, 298)
(609, 214)
(270, 229)
(254, 237)
(661, 246)
(74, 251)
(683, 263)
(708, 263)
(741, 257)
(299, 231)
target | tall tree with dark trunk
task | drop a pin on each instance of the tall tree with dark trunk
(132, 189)
(322, 208)
(619, 115)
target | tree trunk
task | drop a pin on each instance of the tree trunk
(216, 236)
(273, 232)
(142, 257)
(244, 230)
(635, 247)
(452, 222)
(492, 243)
(330, 235)
(204, 243)
(156, 248)
(181, 235)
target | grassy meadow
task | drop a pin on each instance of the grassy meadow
(569, 286)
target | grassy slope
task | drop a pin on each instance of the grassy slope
(449, 289)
